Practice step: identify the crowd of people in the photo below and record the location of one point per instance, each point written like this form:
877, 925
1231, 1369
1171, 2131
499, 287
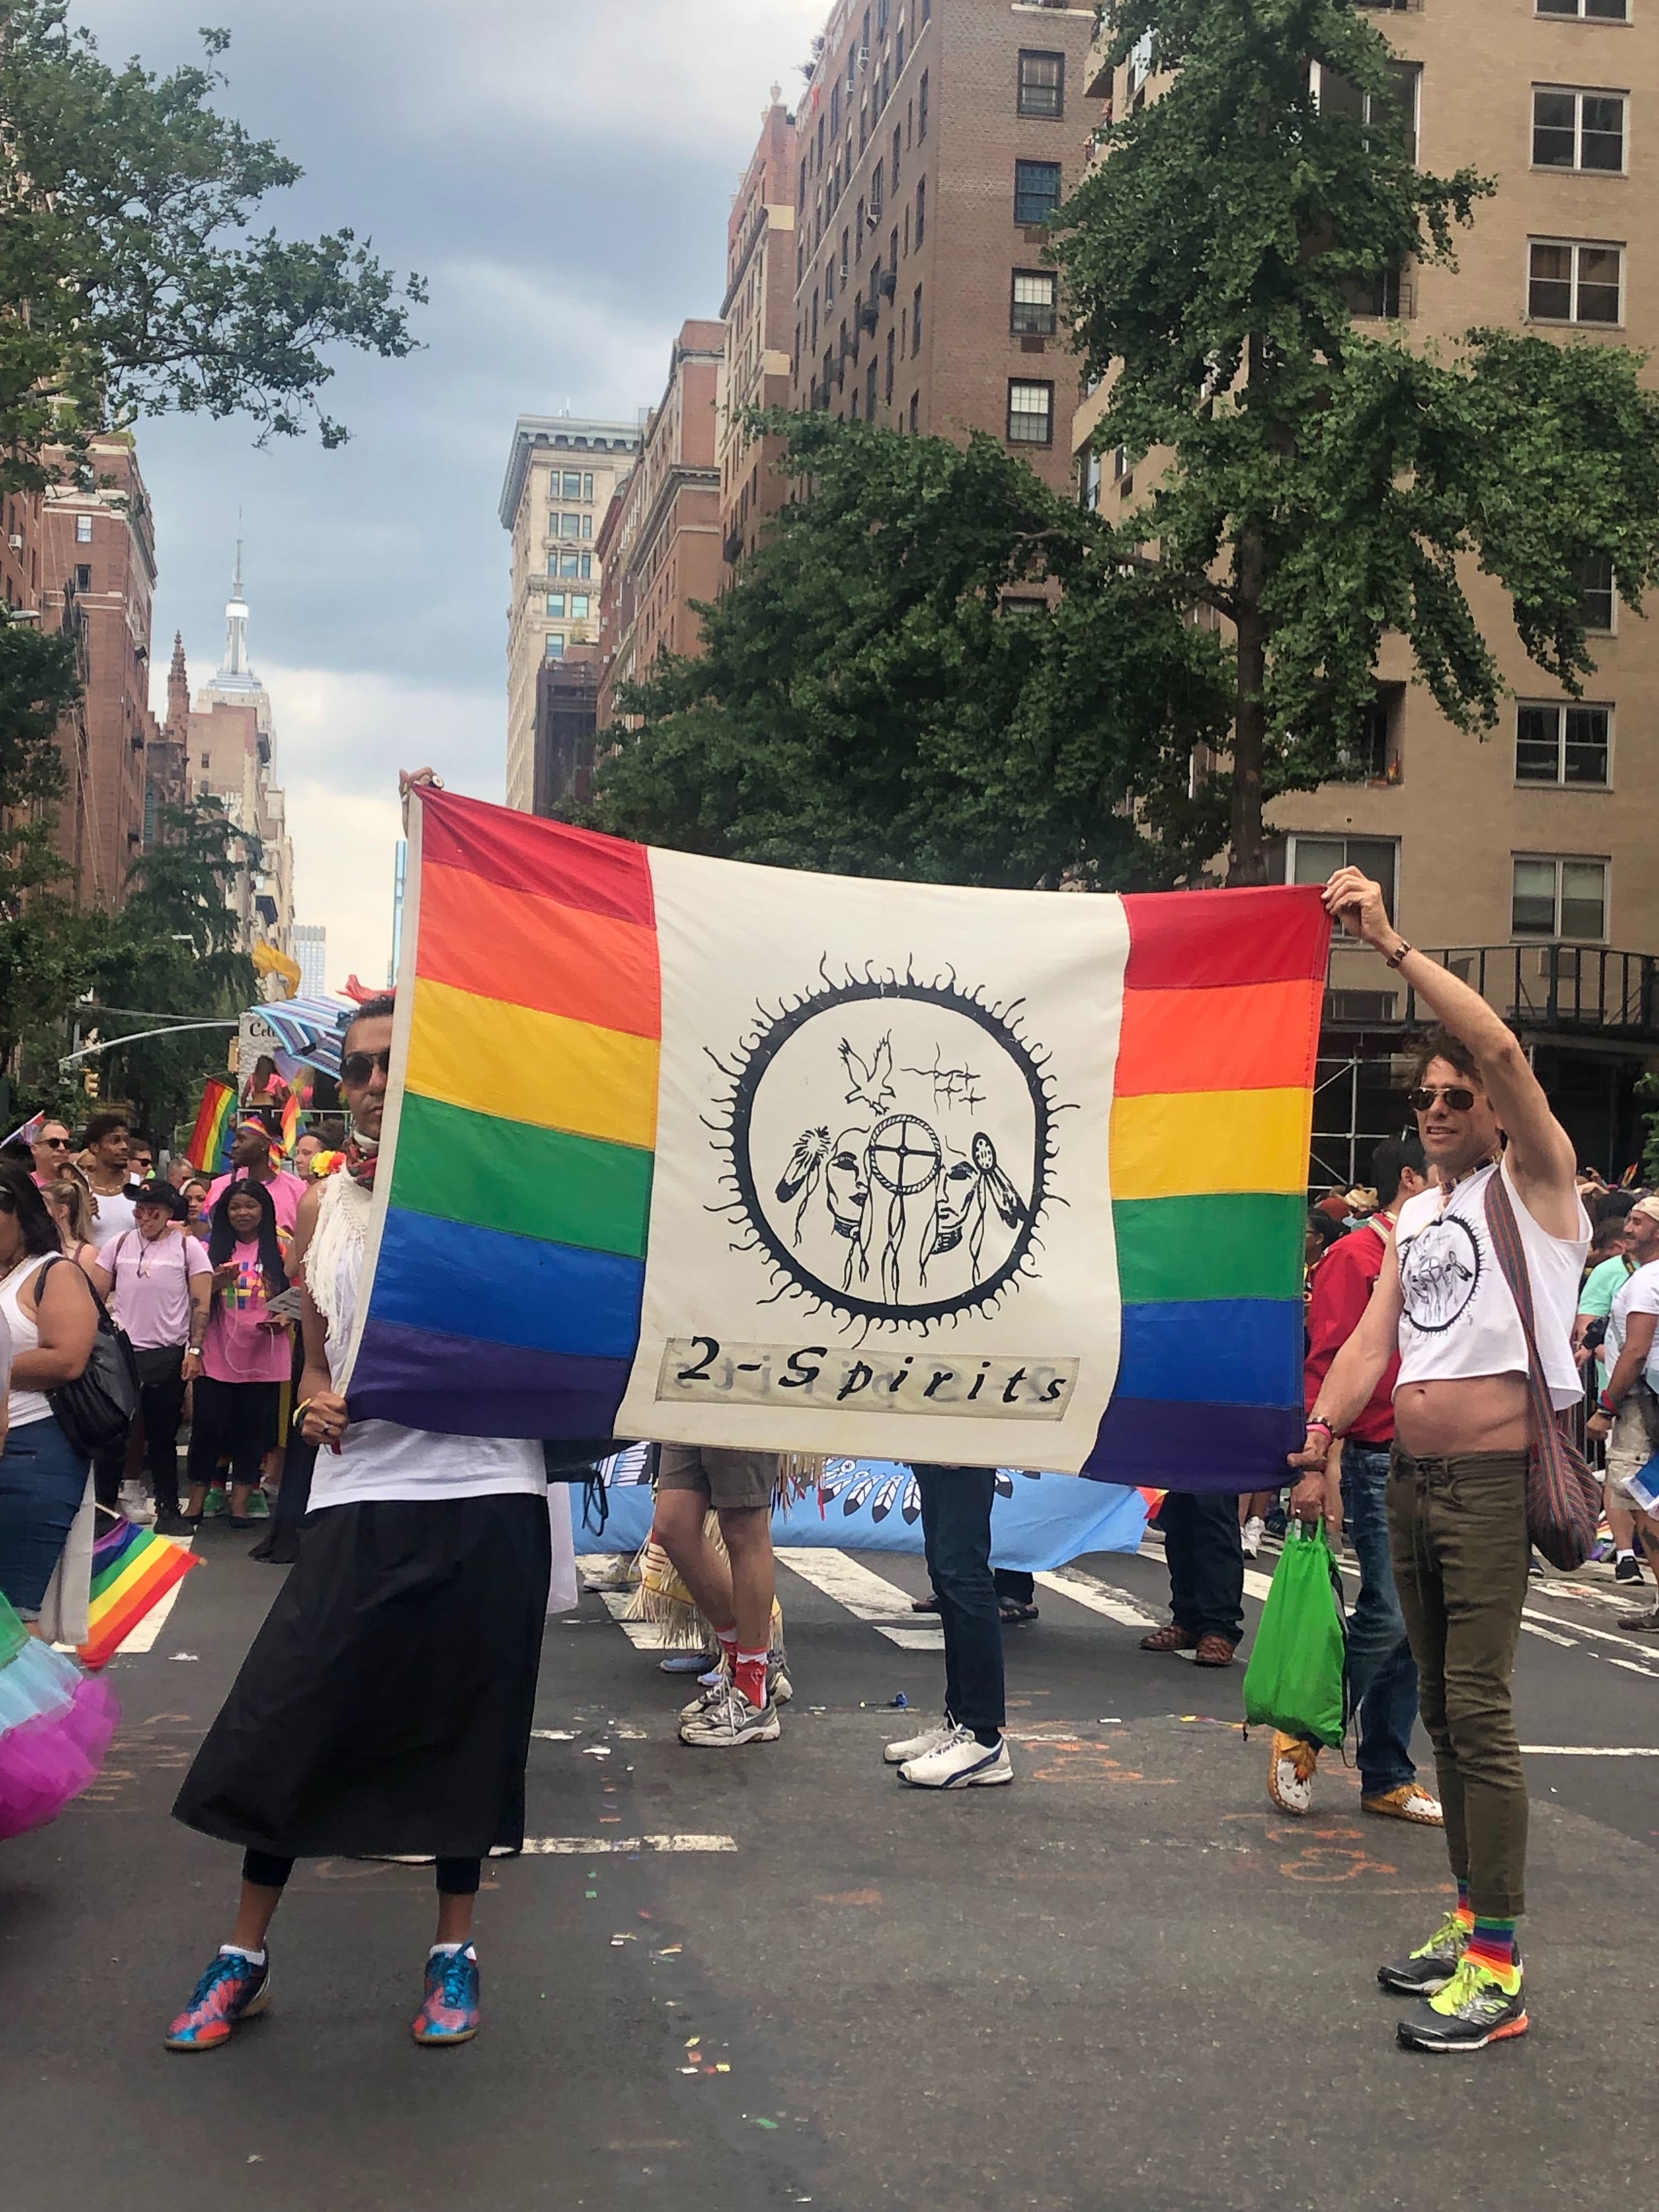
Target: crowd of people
1451, 1317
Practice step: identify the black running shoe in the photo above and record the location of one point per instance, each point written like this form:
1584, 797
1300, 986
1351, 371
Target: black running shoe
1627, 1570
1473, 2011
1425, 1972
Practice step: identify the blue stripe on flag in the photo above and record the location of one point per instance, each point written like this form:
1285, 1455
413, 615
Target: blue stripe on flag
1242, 1352
464, 1281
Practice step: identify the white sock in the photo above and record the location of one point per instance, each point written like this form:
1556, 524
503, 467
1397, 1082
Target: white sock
448, 1950
1624, 1551
241, 1950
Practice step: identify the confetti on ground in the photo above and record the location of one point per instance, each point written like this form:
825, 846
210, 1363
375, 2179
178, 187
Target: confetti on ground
182, 1654
767, 2123
596, 1751
587, 1892
556, 1735
720, 2066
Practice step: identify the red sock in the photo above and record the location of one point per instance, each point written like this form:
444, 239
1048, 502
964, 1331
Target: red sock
750, 1675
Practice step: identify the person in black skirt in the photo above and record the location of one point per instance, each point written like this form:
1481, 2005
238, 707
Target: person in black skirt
385, 1707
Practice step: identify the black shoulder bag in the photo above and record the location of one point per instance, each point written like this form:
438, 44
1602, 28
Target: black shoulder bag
96, 1410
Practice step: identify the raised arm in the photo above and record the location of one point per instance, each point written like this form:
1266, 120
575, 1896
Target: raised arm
1541, 1158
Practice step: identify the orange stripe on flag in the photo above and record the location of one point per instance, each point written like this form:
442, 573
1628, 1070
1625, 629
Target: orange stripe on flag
515, 945
1247, 1036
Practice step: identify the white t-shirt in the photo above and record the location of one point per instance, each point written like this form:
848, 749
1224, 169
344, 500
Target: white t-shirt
1639, 1294
112, 1215
377, 1460
1458, 1319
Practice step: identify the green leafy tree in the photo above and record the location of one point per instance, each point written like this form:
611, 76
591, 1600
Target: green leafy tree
130, 282
867, 703
173, 950
1324, 486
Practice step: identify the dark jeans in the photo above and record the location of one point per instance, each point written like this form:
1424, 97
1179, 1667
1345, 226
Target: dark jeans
1205, 1559
161, 1409
237, 1418
456, 1877
1457, 1528
1382, 1673
1011, 1583
43, 1479
955, 1530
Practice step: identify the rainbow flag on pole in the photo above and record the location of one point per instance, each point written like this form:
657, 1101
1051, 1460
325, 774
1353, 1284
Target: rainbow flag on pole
208, 1151
689, 1150
132, 1570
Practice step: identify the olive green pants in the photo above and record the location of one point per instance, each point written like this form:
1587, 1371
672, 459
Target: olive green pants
1457, 1530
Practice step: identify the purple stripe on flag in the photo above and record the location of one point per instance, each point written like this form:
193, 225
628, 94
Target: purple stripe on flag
457, 1385
1167, 1445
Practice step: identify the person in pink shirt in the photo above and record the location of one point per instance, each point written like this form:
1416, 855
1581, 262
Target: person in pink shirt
246, 1354
252, 1158
158, 1286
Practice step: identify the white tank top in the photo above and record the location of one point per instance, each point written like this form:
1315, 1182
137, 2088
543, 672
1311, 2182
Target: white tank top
23, 1406
1458, 1319
377, 1459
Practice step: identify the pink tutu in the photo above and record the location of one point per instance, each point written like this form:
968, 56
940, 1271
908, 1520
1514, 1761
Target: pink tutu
55, 1722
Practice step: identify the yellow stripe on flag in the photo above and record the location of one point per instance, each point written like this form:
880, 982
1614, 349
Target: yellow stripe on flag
519, 1064
1182, 1143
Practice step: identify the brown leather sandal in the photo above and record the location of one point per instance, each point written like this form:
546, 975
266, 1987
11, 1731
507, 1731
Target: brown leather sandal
1172, 1636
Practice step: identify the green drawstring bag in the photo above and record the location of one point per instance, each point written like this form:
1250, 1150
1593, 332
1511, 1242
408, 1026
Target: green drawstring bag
1295, 1679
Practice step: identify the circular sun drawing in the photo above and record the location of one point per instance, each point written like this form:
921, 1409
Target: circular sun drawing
889, 1147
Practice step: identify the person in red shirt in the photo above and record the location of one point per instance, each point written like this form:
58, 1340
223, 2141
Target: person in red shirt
1381, 1671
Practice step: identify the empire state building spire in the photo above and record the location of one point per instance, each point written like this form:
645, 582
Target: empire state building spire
235, 670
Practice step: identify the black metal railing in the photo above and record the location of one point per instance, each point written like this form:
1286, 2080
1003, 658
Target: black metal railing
1565, 989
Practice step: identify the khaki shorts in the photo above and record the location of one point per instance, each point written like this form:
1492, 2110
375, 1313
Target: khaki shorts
730, 1481
1628, 1453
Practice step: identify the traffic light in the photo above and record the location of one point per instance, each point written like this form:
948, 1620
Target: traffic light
89, 1081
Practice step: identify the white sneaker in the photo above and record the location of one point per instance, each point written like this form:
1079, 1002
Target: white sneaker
713, 1685
1254, 1530
732, 1721
960, 1762
918, 1747
685, 1663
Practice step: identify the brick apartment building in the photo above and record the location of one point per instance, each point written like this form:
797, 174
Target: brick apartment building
660, 543
97, 578
566, 708
1527, 858
562, 475
759, 301
934, 140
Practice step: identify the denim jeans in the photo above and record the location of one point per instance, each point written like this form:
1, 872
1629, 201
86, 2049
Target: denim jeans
1204, 1555
1382, 1673
42, 1480
955, 1530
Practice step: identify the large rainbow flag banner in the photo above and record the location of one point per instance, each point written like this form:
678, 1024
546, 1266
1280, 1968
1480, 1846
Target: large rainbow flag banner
684, 1149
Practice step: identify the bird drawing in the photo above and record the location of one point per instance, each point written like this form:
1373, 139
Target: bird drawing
870, 1083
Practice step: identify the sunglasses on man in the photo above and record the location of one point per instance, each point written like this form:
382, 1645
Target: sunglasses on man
356, 1067
1457, 1096
55, 1144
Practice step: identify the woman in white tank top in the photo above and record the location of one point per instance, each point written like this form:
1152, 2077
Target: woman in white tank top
51, 1318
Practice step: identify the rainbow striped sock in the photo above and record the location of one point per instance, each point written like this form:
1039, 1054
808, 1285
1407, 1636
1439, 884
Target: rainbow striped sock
1465, 1910
1492, 1945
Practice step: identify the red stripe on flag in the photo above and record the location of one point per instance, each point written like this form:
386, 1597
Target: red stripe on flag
1192, 940
577, 868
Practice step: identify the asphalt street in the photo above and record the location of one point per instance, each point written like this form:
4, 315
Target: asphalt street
773, 1977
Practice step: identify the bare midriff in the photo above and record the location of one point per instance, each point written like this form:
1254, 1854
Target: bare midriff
1467, 1413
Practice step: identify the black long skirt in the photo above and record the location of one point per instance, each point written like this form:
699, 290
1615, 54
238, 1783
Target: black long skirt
385, 1705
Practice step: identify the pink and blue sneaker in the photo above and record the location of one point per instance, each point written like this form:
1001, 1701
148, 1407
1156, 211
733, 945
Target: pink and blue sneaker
233, 1989
449, 2013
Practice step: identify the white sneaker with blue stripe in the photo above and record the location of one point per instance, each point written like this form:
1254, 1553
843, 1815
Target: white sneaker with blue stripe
960, 1762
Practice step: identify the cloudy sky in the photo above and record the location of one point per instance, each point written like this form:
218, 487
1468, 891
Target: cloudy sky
560, 171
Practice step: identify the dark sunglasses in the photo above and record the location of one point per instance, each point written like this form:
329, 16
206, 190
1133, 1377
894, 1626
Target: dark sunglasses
356, 1067
56, 1144
1457, 1096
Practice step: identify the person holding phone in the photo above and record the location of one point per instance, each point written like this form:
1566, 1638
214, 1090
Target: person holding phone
237, 1375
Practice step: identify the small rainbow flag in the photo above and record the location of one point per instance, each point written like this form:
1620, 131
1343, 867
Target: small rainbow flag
208, 1151
689, 1150
291, 1123
132, 1570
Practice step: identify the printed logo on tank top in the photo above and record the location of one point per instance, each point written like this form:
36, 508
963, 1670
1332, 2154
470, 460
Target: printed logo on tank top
1439, 1274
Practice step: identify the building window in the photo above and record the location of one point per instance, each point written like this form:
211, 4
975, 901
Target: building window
915, 413
926, 11
1088, 481
1032, 311
878, 192
921, 208
83, 578
1578, 130
1396, 111
887, 386
1562, 743
1041, 84
1572, 282
556, 606
1036, 190
1024, 607
898, 148
921, 108
588, 483
898, 52
586, 568
1595, 595
567, 564
580, 603
572, 486
587, 526
915, 322
1031, 413
555, 645
1384, 298
1316, 860
870, 390
1559, 897
570, 526
1605, 11
83, 530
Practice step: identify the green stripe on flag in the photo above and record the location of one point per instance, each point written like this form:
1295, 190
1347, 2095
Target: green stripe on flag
1213, 1245
540, 1183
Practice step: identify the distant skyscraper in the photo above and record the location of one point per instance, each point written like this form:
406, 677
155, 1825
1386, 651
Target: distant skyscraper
311, 950
233, 747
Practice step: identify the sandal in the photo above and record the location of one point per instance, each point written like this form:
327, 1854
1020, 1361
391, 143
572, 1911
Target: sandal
1170, 1637
1012, 1609
929, 1604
